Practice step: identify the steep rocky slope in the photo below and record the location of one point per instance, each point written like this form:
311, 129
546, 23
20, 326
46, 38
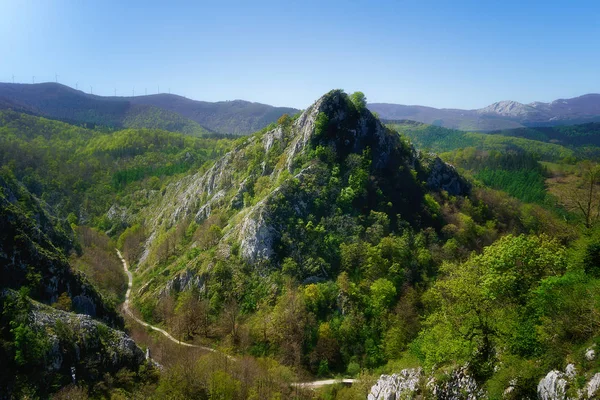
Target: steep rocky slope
43, 348
33, 253
46, 348
335, 162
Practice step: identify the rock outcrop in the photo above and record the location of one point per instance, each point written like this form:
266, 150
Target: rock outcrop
185, 280
443, 176
33, 248
80, 342
292, 173
593, 387
458, 385
412, 383
404, 385
51, 347
553, 386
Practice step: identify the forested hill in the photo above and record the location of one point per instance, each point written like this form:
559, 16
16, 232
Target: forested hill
237, 117
41, 347
439, 139
316, 229
570, 135
81, 171
163, 111
322, 245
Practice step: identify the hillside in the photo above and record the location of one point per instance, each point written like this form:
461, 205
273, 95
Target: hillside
42, 346
236, 117
334, 156
323, 245
499, 116
163, 111
439, 139
81, 171
304, 232
330, 244
571, 135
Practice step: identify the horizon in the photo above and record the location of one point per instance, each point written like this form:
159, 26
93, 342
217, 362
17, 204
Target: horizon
277, 105
457, 56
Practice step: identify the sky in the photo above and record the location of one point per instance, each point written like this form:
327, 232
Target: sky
451, 54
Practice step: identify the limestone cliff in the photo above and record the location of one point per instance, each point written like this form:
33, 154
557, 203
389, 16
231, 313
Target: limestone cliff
336, 157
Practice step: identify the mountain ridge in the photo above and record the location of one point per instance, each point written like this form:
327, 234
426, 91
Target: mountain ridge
289, 180
165, 111
506, 114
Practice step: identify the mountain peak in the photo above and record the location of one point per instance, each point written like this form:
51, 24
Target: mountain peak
346, 126
291, 171
507, 108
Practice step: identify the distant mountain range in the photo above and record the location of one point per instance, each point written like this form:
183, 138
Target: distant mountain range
164, 111
179, 114
500, 115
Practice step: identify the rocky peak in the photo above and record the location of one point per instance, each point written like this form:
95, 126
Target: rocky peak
507, 108
393, 183
335, 121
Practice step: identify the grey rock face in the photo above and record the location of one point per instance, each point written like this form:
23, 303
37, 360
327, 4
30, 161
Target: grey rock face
118, 213
459, 385
81, 346
271, 137
508, 108
553, 386
403, 385
443, 176
237, 202
186, 280
257, 236
593, 386
408, 384
570, 371
590, 354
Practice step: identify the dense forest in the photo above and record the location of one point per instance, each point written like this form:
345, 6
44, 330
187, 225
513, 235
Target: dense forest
326, 245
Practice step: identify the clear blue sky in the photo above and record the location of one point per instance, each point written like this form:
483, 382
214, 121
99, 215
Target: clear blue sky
462, 54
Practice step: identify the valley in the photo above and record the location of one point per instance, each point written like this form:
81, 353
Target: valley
315, 258
217, 200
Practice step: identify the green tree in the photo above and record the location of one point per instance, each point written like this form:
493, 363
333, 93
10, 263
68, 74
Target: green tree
383, 293
480, 304
359, 100
63, 302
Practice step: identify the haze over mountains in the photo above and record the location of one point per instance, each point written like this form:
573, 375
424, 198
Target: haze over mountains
164, 111
500, 115
180, 114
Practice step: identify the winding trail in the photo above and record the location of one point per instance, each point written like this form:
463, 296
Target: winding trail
127, 309
326, 382
141, 322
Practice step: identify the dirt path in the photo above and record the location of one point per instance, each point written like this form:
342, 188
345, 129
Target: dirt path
326, 382
141, 322
307, 385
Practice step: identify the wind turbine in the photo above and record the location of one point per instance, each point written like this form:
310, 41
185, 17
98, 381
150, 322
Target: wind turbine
56, 77
33, 79
91, 90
